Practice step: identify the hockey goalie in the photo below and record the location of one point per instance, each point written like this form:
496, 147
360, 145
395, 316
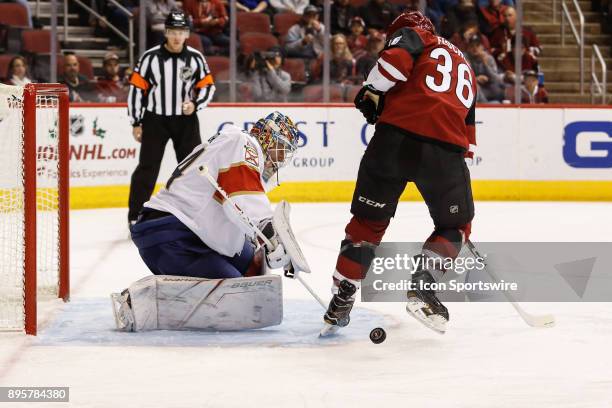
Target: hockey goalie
198, 237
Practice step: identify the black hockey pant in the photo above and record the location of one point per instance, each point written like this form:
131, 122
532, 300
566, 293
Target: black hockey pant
392, 159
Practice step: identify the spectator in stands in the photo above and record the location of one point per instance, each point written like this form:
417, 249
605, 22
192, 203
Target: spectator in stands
112, 86
341, 15
376, 43
157, 12
18, 72
305, 39
458, 16
469, 30
492, 16
489, 83
378, 14
341, 65
210, 21
531, 90
503, 35
289, 6
79, 87
536, 92
506, 61
357, 42
252, 6
267, 80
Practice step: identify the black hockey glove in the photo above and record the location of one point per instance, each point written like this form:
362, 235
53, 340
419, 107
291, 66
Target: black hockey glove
368, 108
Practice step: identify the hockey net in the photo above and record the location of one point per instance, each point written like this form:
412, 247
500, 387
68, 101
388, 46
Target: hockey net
33, 201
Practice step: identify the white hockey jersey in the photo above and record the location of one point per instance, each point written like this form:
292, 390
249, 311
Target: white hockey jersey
235, 159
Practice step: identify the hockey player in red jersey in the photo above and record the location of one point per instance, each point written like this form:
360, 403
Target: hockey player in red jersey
421, 95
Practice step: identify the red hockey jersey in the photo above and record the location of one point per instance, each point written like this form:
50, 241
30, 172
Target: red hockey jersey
430, 87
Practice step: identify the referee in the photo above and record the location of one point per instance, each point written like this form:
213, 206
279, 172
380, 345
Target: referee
170, 83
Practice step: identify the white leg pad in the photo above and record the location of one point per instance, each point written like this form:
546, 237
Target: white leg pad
184, 303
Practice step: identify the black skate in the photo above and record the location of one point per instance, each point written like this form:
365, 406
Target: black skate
338, 312
425, 306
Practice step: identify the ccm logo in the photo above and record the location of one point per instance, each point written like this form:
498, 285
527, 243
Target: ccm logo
588, 144
371, 202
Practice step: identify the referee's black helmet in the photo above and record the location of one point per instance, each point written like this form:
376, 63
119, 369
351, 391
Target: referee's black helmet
177, 19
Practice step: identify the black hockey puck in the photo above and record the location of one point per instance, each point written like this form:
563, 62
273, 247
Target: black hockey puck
378, 335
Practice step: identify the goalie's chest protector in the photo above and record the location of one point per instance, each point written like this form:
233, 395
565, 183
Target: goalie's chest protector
236, 161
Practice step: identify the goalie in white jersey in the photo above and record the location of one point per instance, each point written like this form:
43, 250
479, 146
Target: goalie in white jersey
188, 229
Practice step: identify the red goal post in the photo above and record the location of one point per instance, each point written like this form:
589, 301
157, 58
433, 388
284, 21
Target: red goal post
34, 201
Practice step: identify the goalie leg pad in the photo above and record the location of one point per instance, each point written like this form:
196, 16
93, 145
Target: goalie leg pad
185, 303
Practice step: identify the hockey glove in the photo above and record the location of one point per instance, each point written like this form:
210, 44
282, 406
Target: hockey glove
370, 103
276, 256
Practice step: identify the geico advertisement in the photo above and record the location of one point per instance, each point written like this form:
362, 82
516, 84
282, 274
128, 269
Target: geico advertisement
529, 144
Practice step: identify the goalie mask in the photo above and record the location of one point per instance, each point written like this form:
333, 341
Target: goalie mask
278, 138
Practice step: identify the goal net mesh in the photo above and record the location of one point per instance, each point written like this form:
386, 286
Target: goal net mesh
13, 250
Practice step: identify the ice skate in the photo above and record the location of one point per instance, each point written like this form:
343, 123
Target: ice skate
424, 306
124, 316
338, 312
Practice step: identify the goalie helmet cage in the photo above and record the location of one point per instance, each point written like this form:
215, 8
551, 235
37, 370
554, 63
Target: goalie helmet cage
34, 200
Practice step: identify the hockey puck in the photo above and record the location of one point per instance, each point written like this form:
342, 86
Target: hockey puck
378, 335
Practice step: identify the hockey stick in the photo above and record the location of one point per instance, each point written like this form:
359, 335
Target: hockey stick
245, 219
547, 320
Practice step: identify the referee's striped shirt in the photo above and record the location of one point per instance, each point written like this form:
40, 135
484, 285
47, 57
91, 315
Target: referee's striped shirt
162, 81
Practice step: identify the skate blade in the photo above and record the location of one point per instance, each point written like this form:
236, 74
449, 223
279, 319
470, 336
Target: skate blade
329, 330
436, 323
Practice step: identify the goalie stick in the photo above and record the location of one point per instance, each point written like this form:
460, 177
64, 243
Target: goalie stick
547, 320
245, 219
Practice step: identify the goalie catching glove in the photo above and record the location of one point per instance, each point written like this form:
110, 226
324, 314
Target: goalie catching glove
370, 102
276, 256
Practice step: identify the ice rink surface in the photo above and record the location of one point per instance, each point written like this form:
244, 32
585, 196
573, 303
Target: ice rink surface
488, 358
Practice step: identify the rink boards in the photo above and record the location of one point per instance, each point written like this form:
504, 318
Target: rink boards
523, 153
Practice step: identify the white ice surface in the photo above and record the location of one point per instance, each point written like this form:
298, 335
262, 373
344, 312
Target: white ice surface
488, 358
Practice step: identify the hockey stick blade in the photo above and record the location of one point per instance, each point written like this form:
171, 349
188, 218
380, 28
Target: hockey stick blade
547, 320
